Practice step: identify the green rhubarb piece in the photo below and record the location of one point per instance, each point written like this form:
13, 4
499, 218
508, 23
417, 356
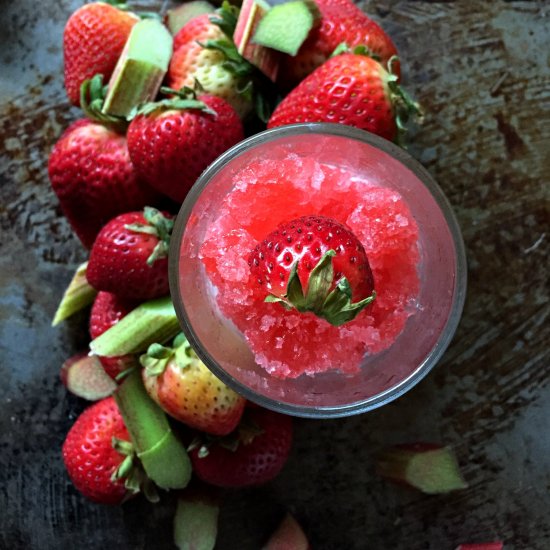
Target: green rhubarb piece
265, 59
85, 377
140, 69
177, 18
77, 296
429, 468
285, 27
161, 453
196, 522
150, 322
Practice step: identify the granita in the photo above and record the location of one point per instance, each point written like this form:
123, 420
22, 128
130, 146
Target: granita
289, 343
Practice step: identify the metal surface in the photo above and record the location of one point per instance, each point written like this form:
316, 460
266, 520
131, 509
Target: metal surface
481, 71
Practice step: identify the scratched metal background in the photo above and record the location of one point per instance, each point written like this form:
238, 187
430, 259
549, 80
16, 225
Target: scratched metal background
481, 69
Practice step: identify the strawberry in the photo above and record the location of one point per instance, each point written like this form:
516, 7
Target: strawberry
94, 466
129, 256
93, 178
93, 40
256, 457
186, 389
204, 52
348, 89
315, 264
108, 309
171, 142
341, 22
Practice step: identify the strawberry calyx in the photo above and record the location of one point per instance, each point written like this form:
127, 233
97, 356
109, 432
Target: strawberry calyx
404, 104
157, 357
131, 471
185, 98
361, 49
243, 434
158, 226
92, 98
334, 306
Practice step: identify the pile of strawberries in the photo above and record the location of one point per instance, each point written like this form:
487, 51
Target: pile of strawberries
158, 108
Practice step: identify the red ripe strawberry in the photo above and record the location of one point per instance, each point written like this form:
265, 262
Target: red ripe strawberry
186, 389
341, 22
348, 89
108, 309
93, 178
197, 29
129, 256
172, 142
93, 40
92, 462
193, 62
315, 264
257, 458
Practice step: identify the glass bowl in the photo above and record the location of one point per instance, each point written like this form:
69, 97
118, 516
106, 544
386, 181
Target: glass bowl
382, 377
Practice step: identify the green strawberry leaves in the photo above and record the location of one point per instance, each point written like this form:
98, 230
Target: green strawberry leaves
92, 98
158, 226
157, 357
335, 307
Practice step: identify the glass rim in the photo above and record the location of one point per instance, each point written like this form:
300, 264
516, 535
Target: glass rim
460, 281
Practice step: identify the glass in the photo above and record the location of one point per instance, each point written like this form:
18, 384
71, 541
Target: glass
384, 376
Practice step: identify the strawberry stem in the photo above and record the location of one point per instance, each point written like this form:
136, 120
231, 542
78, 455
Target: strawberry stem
162, 455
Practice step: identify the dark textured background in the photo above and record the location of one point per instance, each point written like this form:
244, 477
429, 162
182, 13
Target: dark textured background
481, 69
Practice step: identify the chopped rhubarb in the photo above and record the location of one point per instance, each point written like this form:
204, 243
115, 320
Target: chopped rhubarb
150, 322
265, 59
85, 377
285, 27
77, 296
196, 521
428, 467
178, 17
140, 69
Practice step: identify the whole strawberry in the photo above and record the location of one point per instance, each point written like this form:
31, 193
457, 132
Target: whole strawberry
314, 264
255, 455
107, 310
350, 89
93, 40
341, 22
171, 142
92, 175
186, 389
94, 466
129, 256
199, 57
